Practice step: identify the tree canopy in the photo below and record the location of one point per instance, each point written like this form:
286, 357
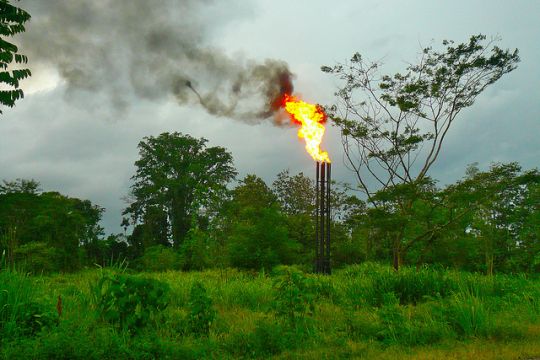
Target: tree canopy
178, 183
46, 225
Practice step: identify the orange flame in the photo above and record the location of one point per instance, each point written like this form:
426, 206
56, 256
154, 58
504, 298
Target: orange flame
311, 117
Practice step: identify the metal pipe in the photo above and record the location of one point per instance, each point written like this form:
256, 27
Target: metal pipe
317, 258
322, 212
328, 182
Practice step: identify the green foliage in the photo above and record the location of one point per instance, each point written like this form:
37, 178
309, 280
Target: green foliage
294, 298
410, 286
269, 338
469, 316
196, 251
201, 312
12, 21
257, 237
348, 251
178, 179
252, 192
128, 301
296, 194
34, 316
66, 225
159, 258
249, 315
22, 313
376, 285
454, 78
400, 325
36, 257
259, 240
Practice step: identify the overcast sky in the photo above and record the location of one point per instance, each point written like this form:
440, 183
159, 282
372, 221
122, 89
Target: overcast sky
104, 77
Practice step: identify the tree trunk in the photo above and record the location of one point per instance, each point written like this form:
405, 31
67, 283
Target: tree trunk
489, 264
369, 246
180, 221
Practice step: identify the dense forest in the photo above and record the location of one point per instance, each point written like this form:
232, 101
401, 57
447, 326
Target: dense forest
185, 212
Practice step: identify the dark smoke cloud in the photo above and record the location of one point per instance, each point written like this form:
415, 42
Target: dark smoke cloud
151, 49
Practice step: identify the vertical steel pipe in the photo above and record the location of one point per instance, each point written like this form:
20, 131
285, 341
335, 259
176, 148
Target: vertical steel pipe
323, 216
323, 179
317, 257
328, 182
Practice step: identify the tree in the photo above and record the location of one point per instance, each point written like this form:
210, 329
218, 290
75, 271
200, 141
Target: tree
17, 209
20, 186
32, 221
66, 224
12, 20
296, 194
503, 201
177, 175
258, 235
153, 230
392, 133
296, 197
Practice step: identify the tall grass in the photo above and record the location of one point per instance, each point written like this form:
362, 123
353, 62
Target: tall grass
21, 312
354, 311
469, 316
15, 292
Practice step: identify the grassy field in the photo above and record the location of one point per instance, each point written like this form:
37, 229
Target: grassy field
366, 311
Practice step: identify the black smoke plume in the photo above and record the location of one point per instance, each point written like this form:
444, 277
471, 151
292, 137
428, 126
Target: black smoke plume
152, 50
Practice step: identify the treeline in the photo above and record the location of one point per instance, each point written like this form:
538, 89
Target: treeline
184, 213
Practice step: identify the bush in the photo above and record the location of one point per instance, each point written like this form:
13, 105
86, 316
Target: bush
195, 251
159, 258
201, 313
294, 298
128, 301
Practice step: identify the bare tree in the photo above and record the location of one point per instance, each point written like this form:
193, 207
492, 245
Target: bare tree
393, 127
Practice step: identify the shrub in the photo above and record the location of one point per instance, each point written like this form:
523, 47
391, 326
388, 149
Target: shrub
201, 313
195, 251
159, 258
128, 301
294, 298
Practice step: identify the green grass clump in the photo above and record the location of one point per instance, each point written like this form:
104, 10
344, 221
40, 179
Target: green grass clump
22, 311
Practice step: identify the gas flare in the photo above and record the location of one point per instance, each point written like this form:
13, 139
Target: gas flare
311, 117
